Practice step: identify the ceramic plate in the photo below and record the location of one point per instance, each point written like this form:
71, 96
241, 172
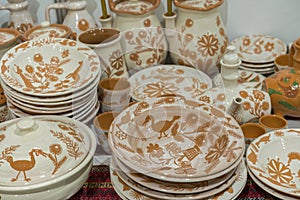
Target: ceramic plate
175, 139
49, 67
269, 189
259, 48
274, 159
231, 191
258, 70
172, 187
246, 79
258, 66
163, 80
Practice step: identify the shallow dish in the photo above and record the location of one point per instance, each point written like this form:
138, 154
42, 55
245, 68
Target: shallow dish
163, 80
259, 48
274, 159
175, 139
49, 67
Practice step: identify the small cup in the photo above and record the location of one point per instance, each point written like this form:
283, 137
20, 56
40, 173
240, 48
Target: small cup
101, 123
251, 131
273, 122
114, 91
281, 62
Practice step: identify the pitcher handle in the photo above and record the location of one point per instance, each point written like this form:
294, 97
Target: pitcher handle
54, 6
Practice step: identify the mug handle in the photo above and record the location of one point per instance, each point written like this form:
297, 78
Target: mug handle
291, 55
54, 6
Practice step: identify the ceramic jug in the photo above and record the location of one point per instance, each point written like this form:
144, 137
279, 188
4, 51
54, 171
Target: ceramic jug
196, 34
20, 17
143, 40
77, 18
244, 104
284, 85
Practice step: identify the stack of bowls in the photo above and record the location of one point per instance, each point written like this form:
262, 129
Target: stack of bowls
258, 52
51, 76
273, 162
171, 148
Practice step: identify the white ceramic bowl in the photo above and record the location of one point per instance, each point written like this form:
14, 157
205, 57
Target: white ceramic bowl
44, 157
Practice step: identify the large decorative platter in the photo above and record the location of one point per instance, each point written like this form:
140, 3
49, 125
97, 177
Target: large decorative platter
49, 67
274, 159
174, 139
259, 48
231, 191
163, 80
172, 187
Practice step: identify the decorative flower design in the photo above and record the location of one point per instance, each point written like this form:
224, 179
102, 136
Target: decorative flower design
279, 171
55, 149
205, 99
217, 149
189, 22
246, 41
185, 168
116, 60
258, 95
160, 89
208, 44
269, 46
155, 150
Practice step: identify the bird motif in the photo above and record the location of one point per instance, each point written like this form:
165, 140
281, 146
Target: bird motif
160, 126
24, 165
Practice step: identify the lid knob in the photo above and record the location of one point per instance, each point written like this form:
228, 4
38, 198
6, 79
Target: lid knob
231, 58
25, 126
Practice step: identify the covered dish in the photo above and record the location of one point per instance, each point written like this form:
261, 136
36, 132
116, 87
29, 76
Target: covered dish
44, 157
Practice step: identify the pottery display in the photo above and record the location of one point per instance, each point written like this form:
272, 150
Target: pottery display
77, 18
106, 42
47, 30
20, 17
197, 35
52, 158
143, 40
283, 86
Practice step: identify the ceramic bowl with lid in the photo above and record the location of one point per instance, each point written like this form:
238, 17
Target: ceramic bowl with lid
44, 153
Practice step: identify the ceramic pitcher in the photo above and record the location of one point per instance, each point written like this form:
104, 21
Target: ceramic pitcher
196, 34
77, 18
143, 40
20, 17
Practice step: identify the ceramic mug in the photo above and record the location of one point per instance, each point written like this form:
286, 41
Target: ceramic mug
281, 62
106, 43
102, 124
114, 91
251, 131
273, 122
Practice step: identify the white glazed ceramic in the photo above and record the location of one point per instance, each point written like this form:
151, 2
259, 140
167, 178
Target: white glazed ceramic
246, 78
196, 34
47, 30
20, 17
77, 18
163, 80
259, 48
171, 187
44, 152
146, 135
143, 39
8, 38
106, 42
274, 159
49, 67
269, 189
231, 192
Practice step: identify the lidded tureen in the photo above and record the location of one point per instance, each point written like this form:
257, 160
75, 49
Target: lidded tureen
44, 157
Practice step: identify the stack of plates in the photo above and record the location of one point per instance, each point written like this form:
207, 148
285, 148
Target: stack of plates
51, 76
258, 52
171, 148
273, 163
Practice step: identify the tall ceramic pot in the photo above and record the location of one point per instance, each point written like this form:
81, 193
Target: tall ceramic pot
143, 40
196, 34
20, 17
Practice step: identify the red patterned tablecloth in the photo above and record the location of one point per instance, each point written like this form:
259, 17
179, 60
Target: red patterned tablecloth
99, 187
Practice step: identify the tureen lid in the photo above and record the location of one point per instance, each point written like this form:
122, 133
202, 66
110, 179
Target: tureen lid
47, 30
39, 151
8, 36
134, 7
201, 5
